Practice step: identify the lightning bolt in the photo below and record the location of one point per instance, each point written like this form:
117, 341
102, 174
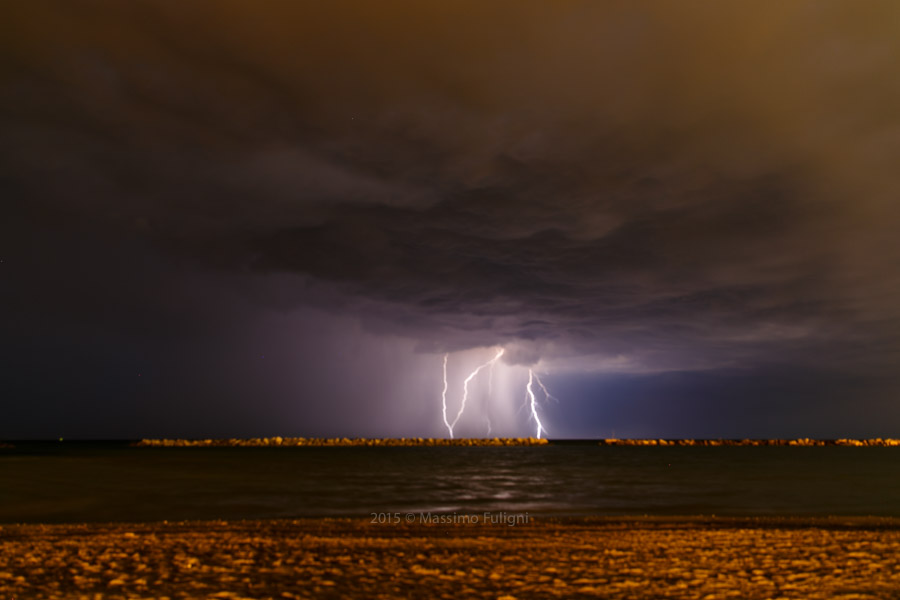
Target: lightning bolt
444, 398
465, 396
530, 392
547, 394
530, 397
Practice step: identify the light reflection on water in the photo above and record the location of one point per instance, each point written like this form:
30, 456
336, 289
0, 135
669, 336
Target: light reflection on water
105, 482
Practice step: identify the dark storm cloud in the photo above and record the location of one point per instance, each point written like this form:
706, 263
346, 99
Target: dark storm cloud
615, 186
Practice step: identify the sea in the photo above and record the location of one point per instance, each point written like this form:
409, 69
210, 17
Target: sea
66, 482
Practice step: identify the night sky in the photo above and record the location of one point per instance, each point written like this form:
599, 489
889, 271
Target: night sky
231, 218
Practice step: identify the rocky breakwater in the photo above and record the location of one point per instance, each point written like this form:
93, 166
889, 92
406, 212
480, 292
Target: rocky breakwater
748, 442
327, 442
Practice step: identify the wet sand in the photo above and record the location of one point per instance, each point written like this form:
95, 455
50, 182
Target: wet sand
574, 558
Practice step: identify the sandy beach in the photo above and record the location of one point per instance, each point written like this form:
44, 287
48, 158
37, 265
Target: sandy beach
354, 558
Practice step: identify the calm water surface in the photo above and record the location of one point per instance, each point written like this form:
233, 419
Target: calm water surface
79, 481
